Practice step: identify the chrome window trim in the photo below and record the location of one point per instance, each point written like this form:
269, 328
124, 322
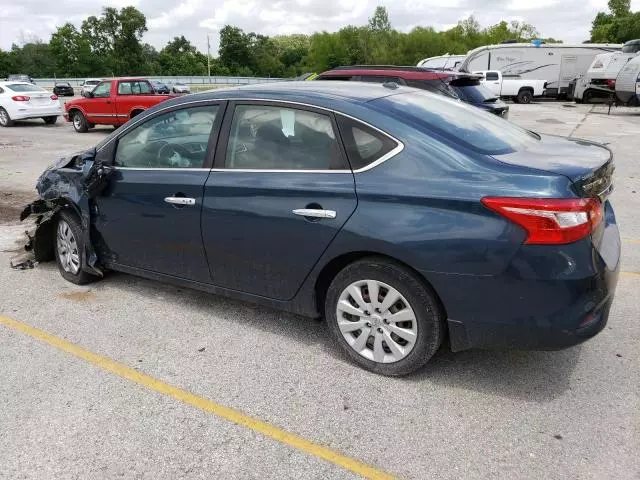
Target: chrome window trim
399, 148
168, 169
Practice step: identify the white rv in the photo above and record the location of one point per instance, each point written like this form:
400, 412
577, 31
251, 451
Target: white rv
443, 62
628, 83
600, 79
556, 63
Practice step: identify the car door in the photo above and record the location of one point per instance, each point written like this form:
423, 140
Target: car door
492, 82
280, 192
101, 108
149, 216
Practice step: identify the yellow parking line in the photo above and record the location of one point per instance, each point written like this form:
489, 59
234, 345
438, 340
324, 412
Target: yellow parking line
631, 240
633, 274
229, 414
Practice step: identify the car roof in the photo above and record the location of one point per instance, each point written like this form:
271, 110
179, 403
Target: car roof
406, 73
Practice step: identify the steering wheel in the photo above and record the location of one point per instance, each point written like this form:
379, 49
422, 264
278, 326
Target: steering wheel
173, 155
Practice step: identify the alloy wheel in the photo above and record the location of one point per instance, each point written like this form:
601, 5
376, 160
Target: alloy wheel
67, 248
377, 321
77, 121
4, 118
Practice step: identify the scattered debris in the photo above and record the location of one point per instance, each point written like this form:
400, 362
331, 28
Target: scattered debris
557, 436
201, 349
78, 296
23, 265
618, 355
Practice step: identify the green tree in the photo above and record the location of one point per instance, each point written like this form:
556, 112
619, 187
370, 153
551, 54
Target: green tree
234, 48
180, 57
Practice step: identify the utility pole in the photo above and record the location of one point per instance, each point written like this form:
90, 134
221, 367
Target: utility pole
209, 58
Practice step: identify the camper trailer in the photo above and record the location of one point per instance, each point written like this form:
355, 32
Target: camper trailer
600, 80
628, 83
555, 63
443, 62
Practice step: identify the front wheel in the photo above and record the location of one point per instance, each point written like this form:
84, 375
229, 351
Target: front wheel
70, 251
384, 316
5, 119
80, 122
50, 120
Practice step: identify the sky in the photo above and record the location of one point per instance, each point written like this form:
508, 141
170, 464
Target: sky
567, 20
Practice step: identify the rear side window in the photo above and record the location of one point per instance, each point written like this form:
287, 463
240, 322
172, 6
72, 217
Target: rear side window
344, 78
434, 86
382, 79
364, 144
266, 137
492, 76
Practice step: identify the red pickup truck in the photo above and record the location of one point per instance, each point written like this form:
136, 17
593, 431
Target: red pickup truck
112, 102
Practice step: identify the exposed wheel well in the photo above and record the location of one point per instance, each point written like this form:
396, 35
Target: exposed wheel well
332, 268
135, 112
526, 89
45, 234
73, 111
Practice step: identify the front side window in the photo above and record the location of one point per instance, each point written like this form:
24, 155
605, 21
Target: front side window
103, 90
364, 144
177, 139
134, 88
381, 79
278, 138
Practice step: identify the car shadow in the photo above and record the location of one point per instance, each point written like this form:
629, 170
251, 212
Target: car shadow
513, 374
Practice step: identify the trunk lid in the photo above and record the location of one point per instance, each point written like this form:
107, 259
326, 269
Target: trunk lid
588, 165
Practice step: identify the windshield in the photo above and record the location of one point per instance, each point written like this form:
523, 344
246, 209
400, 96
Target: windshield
92, 82
458, 123
24, 87
632, 48
474, 93
62, 84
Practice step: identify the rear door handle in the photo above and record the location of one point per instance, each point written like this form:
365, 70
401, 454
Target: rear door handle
314, 213
180, 200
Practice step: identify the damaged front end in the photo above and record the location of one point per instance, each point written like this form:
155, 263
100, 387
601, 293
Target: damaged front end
71, 183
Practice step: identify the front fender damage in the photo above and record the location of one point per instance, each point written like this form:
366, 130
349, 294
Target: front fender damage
73, 183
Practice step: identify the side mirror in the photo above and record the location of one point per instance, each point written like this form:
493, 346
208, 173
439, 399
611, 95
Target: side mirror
89, 94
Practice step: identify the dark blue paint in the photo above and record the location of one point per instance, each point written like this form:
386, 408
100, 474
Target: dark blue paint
421, 208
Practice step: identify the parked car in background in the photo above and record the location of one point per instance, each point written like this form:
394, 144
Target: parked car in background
402, 217
521, 90
112, 102
22, 100
463, 86
20, 77
555, 63
88, 85
63, 89
179, 87
628, 83
160, 87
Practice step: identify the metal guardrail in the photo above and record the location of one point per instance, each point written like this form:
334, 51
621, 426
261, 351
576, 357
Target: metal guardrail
195, 80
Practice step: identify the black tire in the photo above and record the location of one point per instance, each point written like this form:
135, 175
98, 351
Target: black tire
525, 96
421, 298
70, 221
5, 119
80, 123
50, 120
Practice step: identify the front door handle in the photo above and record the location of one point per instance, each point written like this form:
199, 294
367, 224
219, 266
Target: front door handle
314, 213
180, 200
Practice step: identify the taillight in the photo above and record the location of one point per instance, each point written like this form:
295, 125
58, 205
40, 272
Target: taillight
20, 98
550, 221
611, 83
54, 97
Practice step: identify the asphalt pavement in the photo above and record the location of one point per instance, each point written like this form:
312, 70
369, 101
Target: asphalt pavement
129, 378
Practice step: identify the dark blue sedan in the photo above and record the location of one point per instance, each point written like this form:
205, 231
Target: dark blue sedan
400, 216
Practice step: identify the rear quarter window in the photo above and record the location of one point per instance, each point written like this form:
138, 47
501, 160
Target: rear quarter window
21, 87
364, 145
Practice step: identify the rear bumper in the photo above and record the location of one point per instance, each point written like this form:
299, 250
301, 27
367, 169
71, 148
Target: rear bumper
35, 112
548, 298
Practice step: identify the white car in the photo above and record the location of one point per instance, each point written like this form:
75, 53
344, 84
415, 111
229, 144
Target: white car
88, 85
522, 90
180, 87
21, 100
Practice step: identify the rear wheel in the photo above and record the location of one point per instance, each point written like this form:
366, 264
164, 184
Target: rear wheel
50, 120
525, 96
5, 119
80, 122
384, 317
69, 250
